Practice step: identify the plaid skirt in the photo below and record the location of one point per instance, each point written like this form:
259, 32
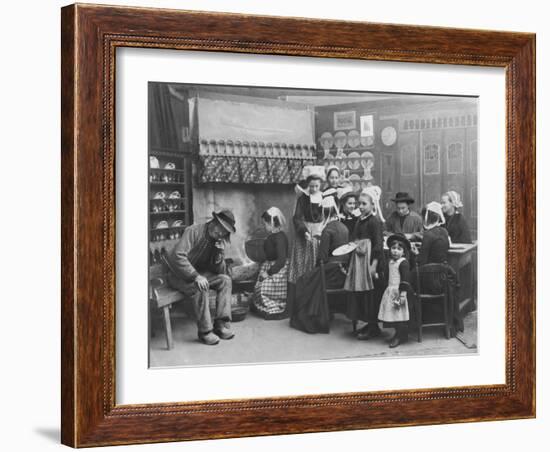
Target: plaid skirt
270, 294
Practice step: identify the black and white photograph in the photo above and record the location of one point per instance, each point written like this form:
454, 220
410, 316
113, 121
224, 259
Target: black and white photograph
290, 225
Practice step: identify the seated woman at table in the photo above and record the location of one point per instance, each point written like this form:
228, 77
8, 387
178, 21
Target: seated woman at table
434, 249
310, 313
455, 223
270, 291
435, 240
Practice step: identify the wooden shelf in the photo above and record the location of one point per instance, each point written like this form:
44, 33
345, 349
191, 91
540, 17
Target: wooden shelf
171, 228
182, 199
168, 212
166, 183
347, 149
158, 245
168, 153
168, 170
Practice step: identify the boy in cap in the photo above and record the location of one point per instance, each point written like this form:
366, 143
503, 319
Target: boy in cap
403, 220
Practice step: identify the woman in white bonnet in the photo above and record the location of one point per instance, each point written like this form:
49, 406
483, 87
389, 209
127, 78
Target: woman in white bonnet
365, 275
434, 249
310, 311
308, 223
435, 240
455, 223
270, 292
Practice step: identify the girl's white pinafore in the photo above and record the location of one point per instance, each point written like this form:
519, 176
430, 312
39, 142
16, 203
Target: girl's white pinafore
389, 312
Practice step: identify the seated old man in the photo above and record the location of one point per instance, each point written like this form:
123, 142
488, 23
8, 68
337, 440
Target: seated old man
197, 265
403, 220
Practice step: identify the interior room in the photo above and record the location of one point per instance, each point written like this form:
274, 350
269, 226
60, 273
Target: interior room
245, 148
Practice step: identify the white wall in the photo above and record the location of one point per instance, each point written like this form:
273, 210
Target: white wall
29, 99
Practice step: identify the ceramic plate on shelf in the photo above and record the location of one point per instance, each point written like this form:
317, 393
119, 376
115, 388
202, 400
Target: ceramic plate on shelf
326, 140
354, 139
340, 140
367, 141
154, 162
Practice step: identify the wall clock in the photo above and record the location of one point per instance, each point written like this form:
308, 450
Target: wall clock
388, 135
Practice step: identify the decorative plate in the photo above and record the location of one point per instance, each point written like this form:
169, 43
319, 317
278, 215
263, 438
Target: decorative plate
344, 249
367, 142
326, 141
354, 139
154, 162
340, 140
354, 160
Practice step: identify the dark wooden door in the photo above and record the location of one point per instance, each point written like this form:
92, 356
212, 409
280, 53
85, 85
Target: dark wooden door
409, 166
431, 144
387, 144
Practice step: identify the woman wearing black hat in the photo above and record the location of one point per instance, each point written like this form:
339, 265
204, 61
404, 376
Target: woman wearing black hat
403, 220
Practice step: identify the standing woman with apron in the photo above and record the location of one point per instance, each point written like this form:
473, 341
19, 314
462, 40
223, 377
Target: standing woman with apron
367, 264
308, 223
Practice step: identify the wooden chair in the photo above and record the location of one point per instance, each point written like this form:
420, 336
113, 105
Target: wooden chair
436, 277
326, 292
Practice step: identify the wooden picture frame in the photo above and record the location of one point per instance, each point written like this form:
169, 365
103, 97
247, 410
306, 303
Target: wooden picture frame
90, 36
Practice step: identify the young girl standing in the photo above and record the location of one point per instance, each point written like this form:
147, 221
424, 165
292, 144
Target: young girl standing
270, 291
394, 307
366, 264
348, 209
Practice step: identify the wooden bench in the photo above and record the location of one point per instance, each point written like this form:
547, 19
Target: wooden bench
162, 297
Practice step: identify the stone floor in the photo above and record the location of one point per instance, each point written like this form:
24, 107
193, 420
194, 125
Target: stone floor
260, 341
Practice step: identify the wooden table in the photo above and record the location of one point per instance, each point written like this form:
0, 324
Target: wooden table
462, 258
